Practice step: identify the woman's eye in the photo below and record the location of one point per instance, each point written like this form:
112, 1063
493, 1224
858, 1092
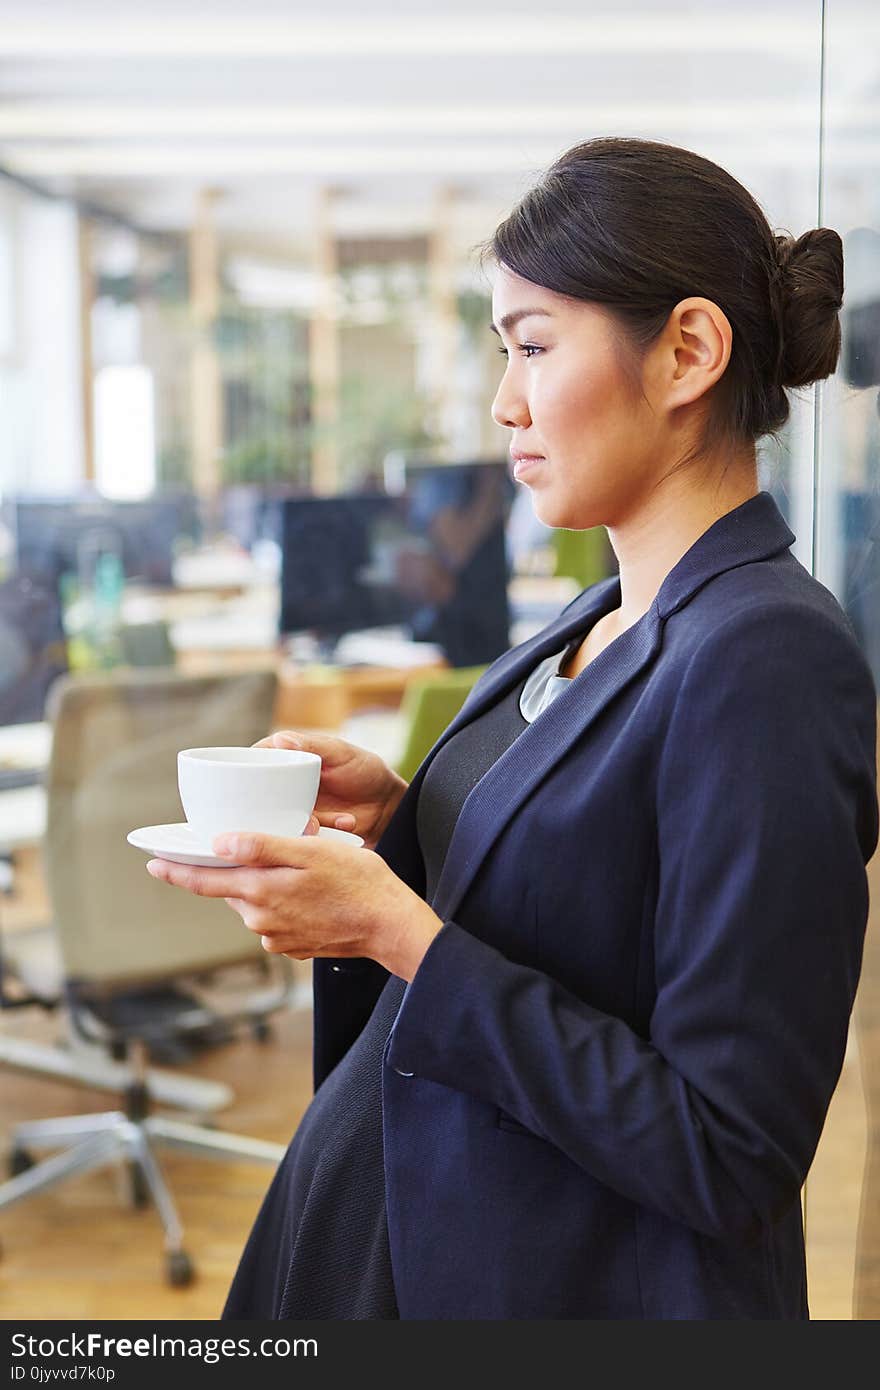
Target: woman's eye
527, 349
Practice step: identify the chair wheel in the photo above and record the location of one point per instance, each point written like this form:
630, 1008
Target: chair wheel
20, 1161
138, 1189
179, 1269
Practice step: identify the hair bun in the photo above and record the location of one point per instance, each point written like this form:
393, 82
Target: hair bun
809, 285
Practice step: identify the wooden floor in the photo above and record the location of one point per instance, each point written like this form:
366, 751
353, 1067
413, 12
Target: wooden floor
79, 1252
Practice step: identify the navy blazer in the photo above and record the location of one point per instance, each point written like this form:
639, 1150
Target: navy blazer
608, 1078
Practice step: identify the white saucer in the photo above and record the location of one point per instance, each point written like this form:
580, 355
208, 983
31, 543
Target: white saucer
178, 843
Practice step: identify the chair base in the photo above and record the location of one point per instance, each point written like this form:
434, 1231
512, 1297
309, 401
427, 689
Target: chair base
100, 1073
97, 1140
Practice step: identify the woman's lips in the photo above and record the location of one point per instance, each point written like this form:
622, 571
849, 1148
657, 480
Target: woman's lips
526, 464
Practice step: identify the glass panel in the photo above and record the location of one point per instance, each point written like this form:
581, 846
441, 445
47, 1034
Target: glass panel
843, 1212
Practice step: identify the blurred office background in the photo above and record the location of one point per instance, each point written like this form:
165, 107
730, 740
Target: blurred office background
245, 388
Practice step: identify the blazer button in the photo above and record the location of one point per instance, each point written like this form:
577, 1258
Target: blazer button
400, 1072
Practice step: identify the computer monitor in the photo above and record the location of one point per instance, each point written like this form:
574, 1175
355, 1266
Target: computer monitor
460, 511
251, 513
431, 560
337, 565
33, 648
55, 536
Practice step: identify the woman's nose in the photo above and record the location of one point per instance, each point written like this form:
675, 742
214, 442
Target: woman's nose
509, 408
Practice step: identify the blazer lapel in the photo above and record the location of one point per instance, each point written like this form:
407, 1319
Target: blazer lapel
399, 845
753, 531
538, 748
513, 666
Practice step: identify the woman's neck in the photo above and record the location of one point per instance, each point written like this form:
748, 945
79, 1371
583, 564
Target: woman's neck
652, 539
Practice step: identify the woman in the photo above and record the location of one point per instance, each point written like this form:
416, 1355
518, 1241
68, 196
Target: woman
582, 1002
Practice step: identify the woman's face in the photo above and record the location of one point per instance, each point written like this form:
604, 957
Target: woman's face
591, 439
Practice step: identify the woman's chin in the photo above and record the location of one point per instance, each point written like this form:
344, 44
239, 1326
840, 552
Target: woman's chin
548, 510
558, 516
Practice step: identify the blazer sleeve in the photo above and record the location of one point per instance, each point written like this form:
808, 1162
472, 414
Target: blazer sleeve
766, 816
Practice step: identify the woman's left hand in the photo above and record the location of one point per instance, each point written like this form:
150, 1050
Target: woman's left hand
310, 897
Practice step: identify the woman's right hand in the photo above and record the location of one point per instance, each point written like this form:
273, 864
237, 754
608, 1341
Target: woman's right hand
358, 790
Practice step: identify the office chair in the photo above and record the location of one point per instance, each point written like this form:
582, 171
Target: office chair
146, 644
585, 556
429, 705
138, 960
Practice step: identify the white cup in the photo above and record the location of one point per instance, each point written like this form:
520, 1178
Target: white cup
269, 790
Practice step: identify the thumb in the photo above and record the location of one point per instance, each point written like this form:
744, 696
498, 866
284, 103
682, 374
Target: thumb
266, 851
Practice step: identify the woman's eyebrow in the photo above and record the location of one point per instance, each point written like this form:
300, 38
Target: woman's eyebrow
510, 320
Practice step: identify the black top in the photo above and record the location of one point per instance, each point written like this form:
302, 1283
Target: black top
319, 1247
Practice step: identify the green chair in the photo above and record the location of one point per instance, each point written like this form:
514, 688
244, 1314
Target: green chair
429, 705
583, 555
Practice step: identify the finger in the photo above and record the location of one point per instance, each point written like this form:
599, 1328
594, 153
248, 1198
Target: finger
282, 738
206, 883
341, 820
284, 946
313, 826
329, 749
271, 851
246, 911
239, 905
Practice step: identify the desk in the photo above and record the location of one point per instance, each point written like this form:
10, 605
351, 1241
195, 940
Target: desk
219, 569
327, 696
311, 696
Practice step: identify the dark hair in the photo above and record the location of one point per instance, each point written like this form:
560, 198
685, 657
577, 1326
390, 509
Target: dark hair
638, 226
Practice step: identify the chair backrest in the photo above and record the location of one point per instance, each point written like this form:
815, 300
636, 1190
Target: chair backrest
113, 768
429, 705
147, 644
583, 555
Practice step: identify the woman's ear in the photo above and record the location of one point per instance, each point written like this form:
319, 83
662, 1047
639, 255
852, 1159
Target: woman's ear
695, 348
